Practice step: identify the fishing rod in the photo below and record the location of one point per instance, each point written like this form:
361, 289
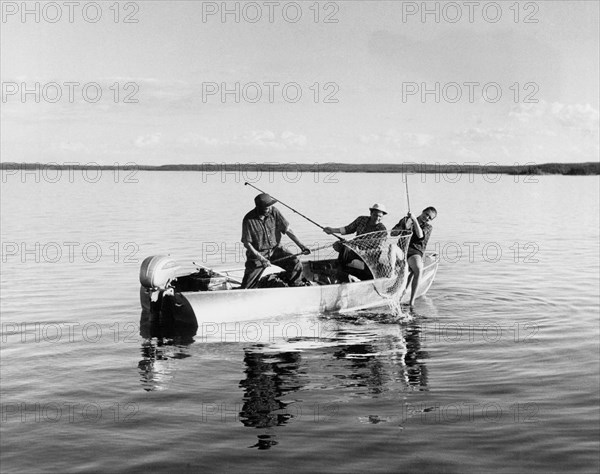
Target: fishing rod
407, 196
294, 210
301, 253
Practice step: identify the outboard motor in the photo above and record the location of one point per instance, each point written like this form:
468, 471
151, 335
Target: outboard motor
157, 271
155, 274
156, 293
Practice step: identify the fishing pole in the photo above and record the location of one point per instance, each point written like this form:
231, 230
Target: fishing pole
294, 210
407, 196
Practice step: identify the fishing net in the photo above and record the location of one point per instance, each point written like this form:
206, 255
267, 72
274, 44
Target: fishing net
383, 255
380, 256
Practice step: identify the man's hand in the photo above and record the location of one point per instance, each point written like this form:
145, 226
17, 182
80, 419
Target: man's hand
264, 261
305, 250
328, 230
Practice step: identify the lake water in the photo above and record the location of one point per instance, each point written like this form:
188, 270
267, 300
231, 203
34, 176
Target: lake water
497, 371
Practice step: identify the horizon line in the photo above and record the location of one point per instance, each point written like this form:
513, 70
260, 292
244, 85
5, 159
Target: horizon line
580, 168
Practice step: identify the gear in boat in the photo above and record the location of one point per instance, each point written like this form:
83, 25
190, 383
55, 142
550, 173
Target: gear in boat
162, 272
366, 257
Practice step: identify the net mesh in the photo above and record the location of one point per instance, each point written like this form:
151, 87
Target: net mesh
384, 254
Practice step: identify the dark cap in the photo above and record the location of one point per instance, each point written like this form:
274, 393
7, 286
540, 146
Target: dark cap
264, 200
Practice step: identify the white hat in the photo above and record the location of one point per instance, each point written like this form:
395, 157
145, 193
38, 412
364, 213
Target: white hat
378, 207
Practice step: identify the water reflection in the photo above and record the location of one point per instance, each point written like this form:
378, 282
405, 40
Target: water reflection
355, 358
269, 377
416, 370
367, 368
164, 341
382, 358
387, 359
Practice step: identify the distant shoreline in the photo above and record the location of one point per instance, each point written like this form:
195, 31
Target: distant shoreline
567, 169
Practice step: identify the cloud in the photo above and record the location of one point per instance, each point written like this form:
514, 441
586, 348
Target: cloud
583, 118
269, 140
572, 117
148, 141
467, 154
259, 138
541, 132
263, 140
194, 140
73, 147
292, 139
478, 134
397, 139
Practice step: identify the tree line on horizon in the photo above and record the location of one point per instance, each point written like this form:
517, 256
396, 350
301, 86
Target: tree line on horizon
572, 169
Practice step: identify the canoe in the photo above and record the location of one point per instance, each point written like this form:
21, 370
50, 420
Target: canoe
166, 287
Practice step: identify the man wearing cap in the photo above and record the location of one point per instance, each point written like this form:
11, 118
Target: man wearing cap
261, 235
360, 225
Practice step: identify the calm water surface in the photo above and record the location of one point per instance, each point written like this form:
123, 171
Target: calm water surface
497, 371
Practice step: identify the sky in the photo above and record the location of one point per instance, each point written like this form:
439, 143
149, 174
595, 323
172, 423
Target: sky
167, 82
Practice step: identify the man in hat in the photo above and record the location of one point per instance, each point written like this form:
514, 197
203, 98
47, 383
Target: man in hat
261, 235
361, 225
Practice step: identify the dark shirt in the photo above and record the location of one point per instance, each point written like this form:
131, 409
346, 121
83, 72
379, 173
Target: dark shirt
263, 234
416, 246
361, 225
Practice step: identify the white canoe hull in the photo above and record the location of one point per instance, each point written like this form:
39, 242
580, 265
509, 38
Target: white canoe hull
260, 303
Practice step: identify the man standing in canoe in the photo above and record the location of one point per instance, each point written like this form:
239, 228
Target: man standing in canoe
418, 242
261, 235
